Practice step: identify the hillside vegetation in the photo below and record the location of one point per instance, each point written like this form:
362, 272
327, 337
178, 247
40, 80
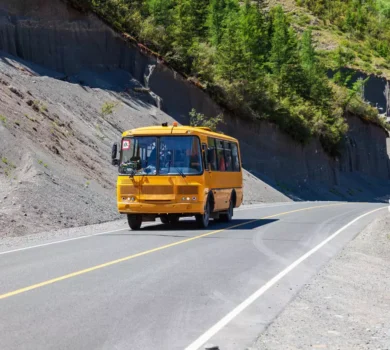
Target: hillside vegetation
363, 28
251, 59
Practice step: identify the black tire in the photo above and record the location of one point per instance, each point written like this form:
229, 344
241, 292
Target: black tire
135, 221
227, 217
203, 219
174, 219
164, 219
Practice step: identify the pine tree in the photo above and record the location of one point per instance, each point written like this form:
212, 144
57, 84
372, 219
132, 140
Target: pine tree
229, 50
161, 11
252, 40
307, 52
279, 40
218, 12
199, 13
315, 86
183, 28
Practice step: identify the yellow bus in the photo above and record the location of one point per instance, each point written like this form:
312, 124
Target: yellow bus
173, 171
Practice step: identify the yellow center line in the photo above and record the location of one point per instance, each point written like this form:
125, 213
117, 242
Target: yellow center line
130, 257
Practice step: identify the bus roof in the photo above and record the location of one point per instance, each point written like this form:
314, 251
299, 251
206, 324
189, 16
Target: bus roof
175, 130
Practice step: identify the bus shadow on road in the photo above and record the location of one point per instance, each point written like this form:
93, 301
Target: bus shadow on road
190, 225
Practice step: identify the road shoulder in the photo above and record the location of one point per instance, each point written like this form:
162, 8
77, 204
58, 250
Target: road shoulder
346, 305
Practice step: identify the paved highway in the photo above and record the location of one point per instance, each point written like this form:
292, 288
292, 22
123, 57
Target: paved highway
171, 288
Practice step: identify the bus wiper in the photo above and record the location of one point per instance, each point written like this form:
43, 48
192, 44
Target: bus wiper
181, 173
132, 173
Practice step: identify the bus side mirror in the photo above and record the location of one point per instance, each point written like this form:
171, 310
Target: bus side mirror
114, 152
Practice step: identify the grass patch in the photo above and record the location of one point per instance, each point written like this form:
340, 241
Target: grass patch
108, 108
3, 120
99, 133
9, 166
38, 106
30, 118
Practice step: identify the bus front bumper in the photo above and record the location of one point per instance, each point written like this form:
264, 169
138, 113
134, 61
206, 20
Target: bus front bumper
159, 208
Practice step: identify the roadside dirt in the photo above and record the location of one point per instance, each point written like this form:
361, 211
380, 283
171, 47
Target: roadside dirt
346, 306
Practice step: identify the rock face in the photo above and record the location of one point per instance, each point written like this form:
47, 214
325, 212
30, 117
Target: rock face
52, 34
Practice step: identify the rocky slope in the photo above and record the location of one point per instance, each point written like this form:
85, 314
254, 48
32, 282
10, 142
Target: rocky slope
51, 100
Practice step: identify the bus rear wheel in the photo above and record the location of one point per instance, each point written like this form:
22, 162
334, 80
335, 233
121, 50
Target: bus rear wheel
135, 221
203, 219
227, 217
164, 219
174, 219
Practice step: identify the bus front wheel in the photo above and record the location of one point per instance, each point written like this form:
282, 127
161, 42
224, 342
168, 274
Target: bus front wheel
203, 219
135, 221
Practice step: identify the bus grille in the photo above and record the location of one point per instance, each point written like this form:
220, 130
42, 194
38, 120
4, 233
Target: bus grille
157, 190
128, 190
190, 190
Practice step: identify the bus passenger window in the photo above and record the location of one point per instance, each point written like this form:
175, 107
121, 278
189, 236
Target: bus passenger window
221, 156
235, 158
213, 160
228, 156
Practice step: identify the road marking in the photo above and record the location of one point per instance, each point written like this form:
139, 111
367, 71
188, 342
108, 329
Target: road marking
58, 242
252, 206
68, 240
130, 257
205, 337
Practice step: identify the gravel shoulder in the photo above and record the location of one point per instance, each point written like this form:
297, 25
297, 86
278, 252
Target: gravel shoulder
346, 306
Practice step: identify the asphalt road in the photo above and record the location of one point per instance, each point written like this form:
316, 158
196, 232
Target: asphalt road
171, 288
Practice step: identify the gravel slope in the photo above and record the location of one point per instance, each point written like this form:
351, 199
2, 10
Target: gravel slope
346, 306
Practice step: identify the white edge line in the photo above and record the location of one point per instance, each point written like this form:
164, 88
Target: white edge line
241, 307
58, 242
68, 240
96, 234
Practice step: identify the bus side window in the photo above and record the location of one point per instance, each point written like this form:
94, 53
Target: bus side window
205, 156
235, 157
228, 156
213, 158
221, 156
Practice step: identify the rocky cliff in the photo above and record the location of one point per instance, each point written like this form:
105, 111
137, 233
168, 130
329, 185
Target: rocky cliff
54, 35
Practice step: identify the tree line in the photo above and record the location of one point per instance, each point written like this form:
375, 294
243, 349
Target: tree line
247, 55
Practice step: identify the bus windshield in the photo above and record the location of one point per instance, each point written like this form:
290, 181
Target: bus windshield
177, 155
